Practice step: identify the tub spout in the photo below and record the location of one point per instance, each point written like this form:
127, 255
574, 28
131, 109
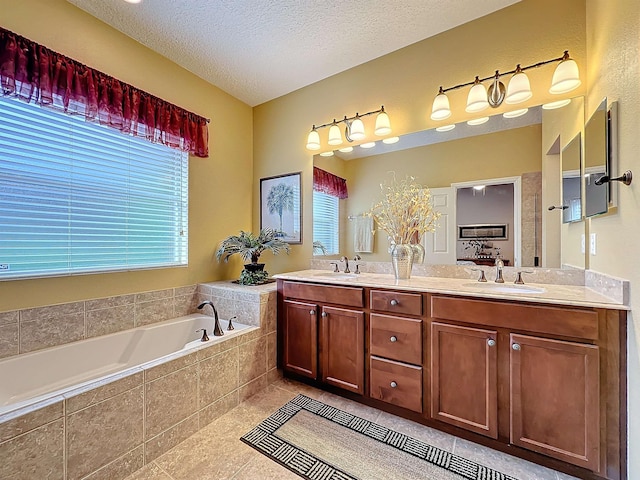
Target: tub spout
217, 331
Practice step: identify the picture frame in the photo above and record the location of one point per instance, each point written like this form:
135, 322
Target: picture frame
281, 206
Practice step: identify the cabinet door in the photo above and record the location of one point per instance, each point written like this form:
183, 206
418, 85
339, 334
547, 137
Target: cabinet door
555, 399
342, 348
464, 378
301, 338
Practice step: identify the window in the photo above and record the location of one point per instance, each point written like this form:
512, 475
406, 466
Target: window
76, 197
326, 222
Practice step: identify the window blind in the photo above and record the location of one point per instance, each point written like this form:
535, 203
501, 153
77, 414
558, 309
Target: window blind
326, 221
76, 197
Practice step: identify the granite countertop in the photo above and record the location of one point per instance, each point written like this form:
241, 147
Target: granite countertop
572, 295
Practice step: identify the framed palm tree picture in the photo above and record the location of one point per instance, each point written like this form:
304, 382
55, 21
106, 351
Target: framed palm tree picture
281, 206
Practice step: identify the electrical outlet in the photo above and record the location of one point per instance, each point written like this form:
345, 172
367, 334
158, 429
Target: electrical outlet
582, 243
592, 244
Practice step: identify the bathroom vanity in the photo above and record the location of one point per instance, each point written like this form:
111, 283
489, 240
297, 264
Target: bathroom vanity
535, 371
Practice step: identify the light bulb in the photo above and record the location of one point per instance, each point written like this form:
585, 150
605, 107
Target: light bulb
566, 76
313, 140
477, 99
519, 88
383, 125
440, 109
335, 136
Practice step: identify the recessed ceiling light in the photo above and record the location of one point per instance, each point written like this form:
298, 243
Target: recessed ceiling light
327, 154
515, 113
558, 104
445, 128
346, 149
368, 145
133, 1
478, 121
391, 140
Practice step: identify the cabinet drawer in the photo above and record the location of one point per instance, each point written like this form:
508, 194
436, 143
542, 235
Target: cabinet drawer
348, 296
571, 322
396, 383
396, 302
396, 338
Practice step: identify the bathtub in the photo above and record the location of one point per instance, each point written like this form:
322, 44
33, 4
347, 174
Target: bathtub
34, 378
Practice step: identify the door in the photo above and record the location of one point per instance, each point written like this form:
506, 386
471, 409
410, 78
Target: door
440, 246
464, 378
342, 348
301, 338
555, 399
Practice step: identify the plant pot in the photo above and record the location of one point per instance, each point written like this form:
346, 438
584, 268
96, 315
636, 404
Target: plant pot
254, 267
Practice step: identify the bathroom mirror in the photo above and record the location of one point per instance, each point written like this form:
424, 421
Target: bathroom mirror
571, 181
596, 163
467, 156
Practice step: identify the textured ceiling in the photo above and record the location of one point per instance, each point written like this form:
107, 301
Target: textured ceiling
258, 50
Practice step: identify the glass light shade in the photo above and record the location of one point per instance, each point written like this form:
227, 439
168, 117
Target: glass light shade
313, 140
519, 89
440, 109
391, 140
477, 99
335, 136
515, 113
566, 77
478, 121
558, 104
327, 154
346, 149
445, 128
356, 131
383, 125
368, 145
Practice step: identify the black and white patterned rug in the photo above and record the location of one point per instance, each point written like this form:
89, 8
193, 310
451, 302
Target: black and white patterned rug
267, 439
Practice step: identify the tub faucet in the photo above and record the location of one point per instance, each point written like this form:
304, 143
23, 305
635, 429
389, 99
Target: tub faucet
217, 331
499, 267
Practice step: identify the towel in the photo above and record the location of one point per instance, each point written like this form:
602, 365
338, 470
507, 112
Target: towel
363, 234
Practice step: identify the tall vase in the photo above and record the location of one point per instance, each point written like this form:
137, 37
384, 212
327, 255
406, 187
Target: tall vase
418, 253
402, 260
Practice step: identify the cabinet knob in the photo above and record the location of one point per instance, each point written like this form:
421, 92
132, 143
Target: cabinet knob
393, 384
393, 339
394, 302
312, 312
491, 342
325, 314
516, 346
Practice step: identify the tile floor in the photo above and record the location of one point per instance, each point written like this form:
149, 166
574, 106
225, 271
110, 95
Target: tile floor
216, 452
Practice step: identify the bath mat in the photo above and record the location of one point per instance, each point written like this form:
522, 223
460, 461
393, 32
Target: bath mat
320, 442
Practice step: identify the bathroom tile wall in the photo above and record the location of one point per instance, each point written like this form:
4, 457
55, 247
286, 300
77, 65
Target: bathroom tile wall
27, 330
109, 430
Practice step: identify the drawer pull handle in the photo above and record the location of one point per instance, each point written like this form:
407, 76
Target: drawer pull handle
312, 312
393, 384
325, 314
393, 339
491, 342
516, 346
394, 302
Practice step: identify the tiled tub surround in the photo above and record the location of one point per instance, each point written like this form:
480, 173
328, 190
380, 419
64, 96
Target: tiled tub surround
114, 426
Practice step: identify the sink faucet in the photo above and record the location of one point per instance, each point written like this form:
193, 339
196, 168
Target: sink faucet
499, 267
346, 261
217, 331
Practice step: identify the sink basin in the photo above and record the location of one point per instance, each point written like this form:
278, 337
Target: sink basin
340, 275
504, 287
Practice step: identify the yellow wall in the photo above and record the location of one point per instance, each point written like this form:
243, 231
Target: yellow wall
613, 41
406, 81
220, 186
508, 153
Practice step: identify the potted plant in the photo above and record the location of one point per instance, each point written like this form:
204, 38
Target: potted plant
250, 247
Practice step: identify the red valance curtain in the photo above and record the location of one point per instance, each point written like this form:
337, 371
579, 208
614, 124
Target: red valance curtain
329, 183
33, 73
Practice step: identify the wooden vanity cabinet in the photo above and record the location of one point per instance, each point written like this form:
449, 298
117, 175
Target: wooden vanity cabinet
323, 341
